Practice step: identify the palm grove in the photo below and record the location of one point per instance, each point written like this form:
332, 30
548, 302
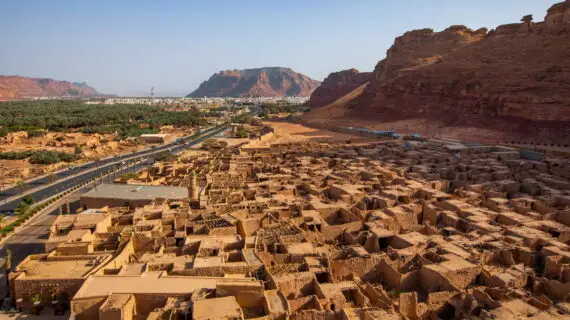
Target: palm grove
124, 120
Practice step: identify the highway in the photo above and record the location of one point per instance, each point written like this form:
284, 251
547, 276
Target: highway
31, 238
45, 187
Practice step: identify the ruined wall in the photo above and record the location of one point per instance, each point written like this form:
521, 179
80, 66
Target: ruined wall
354, 267
87, 309
143, 242
305, 303
120, 259
334, 231
247, 227
317, 315
26, 288
75, 249
432, 280
145, 303
246, 295
296, 285
388, 275
123, 312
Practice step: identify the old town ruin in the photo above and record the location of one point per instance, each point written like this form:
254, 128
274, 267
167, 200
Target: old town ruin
371, 229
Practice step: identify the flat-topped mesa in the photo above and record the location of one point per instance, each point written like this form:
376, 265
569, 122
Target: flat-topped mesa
17, 87
516, 76
424, 46
336, 85
511, 71
258, 82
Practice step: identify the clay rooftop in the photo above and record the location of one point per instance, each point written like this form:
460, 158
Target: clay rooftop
136, 192
156, 282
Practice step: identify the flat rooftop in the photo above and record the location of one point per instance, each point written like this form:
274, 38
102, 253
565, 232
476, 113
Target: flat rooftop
157, 282
136, 192
59, 269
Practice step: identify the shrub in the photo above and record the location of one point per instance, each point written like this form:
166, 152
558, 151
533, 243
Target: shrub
50, 157
36, 133
28, 200
38, 156
242, 133
16, 155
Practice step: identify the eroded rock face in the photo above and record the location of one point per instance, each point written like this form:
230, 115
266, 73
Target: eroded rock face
261, 82
16, 87
423, 47
336, 85
519, 71
558, 17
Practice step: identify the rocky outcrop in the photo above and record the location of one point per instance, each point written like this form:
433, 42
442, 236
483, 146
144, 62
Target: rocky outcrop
558, 17
337, 85
16, 87
261, 82
516, 76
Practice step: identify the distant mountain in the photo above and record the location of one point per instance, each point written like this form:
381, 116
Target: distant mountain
261, 82
17, 88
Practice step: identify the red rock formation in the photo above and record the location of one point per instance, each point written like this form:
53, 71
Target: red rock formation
515, 78
16, 87
262, 82
337, 85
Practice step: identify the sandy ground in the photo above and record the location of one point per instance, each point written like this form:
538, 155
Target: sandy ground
286, 132
93, 146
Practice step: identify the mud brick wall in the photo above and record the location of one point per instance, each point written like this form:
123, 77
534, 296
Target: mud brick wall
26, 288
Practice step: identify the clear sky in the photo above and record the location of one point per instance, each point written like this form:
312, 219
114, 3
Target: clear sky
126, 47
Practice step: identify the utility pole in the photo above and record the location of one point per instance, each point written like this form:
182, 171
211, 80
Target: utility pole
3, 200
8, 267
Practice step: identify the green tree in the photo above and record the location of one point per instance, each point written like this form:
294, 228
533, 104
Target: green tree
21, 184
242, 133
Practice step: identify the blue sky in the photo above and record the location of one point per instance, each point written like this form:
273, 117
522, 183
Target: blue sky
125, 47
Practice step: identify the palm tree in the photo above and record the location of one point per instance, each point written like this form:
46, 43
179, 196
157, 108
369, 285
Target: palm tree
21, 184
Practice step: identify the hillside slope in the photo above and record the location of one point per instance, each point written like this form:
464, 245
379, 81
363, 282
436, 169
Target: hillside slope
510, 83
261, 82
17, 87
336, 85
337, 109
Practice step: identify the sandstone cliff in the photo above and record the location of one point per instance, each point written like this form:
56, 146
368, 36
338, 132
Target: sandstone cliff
16, 87
337, 85
511, 82
261, 82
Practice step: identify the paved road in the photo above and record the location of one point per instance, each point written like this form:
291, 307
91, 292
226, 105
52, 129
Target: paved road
32, 237
67, 179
